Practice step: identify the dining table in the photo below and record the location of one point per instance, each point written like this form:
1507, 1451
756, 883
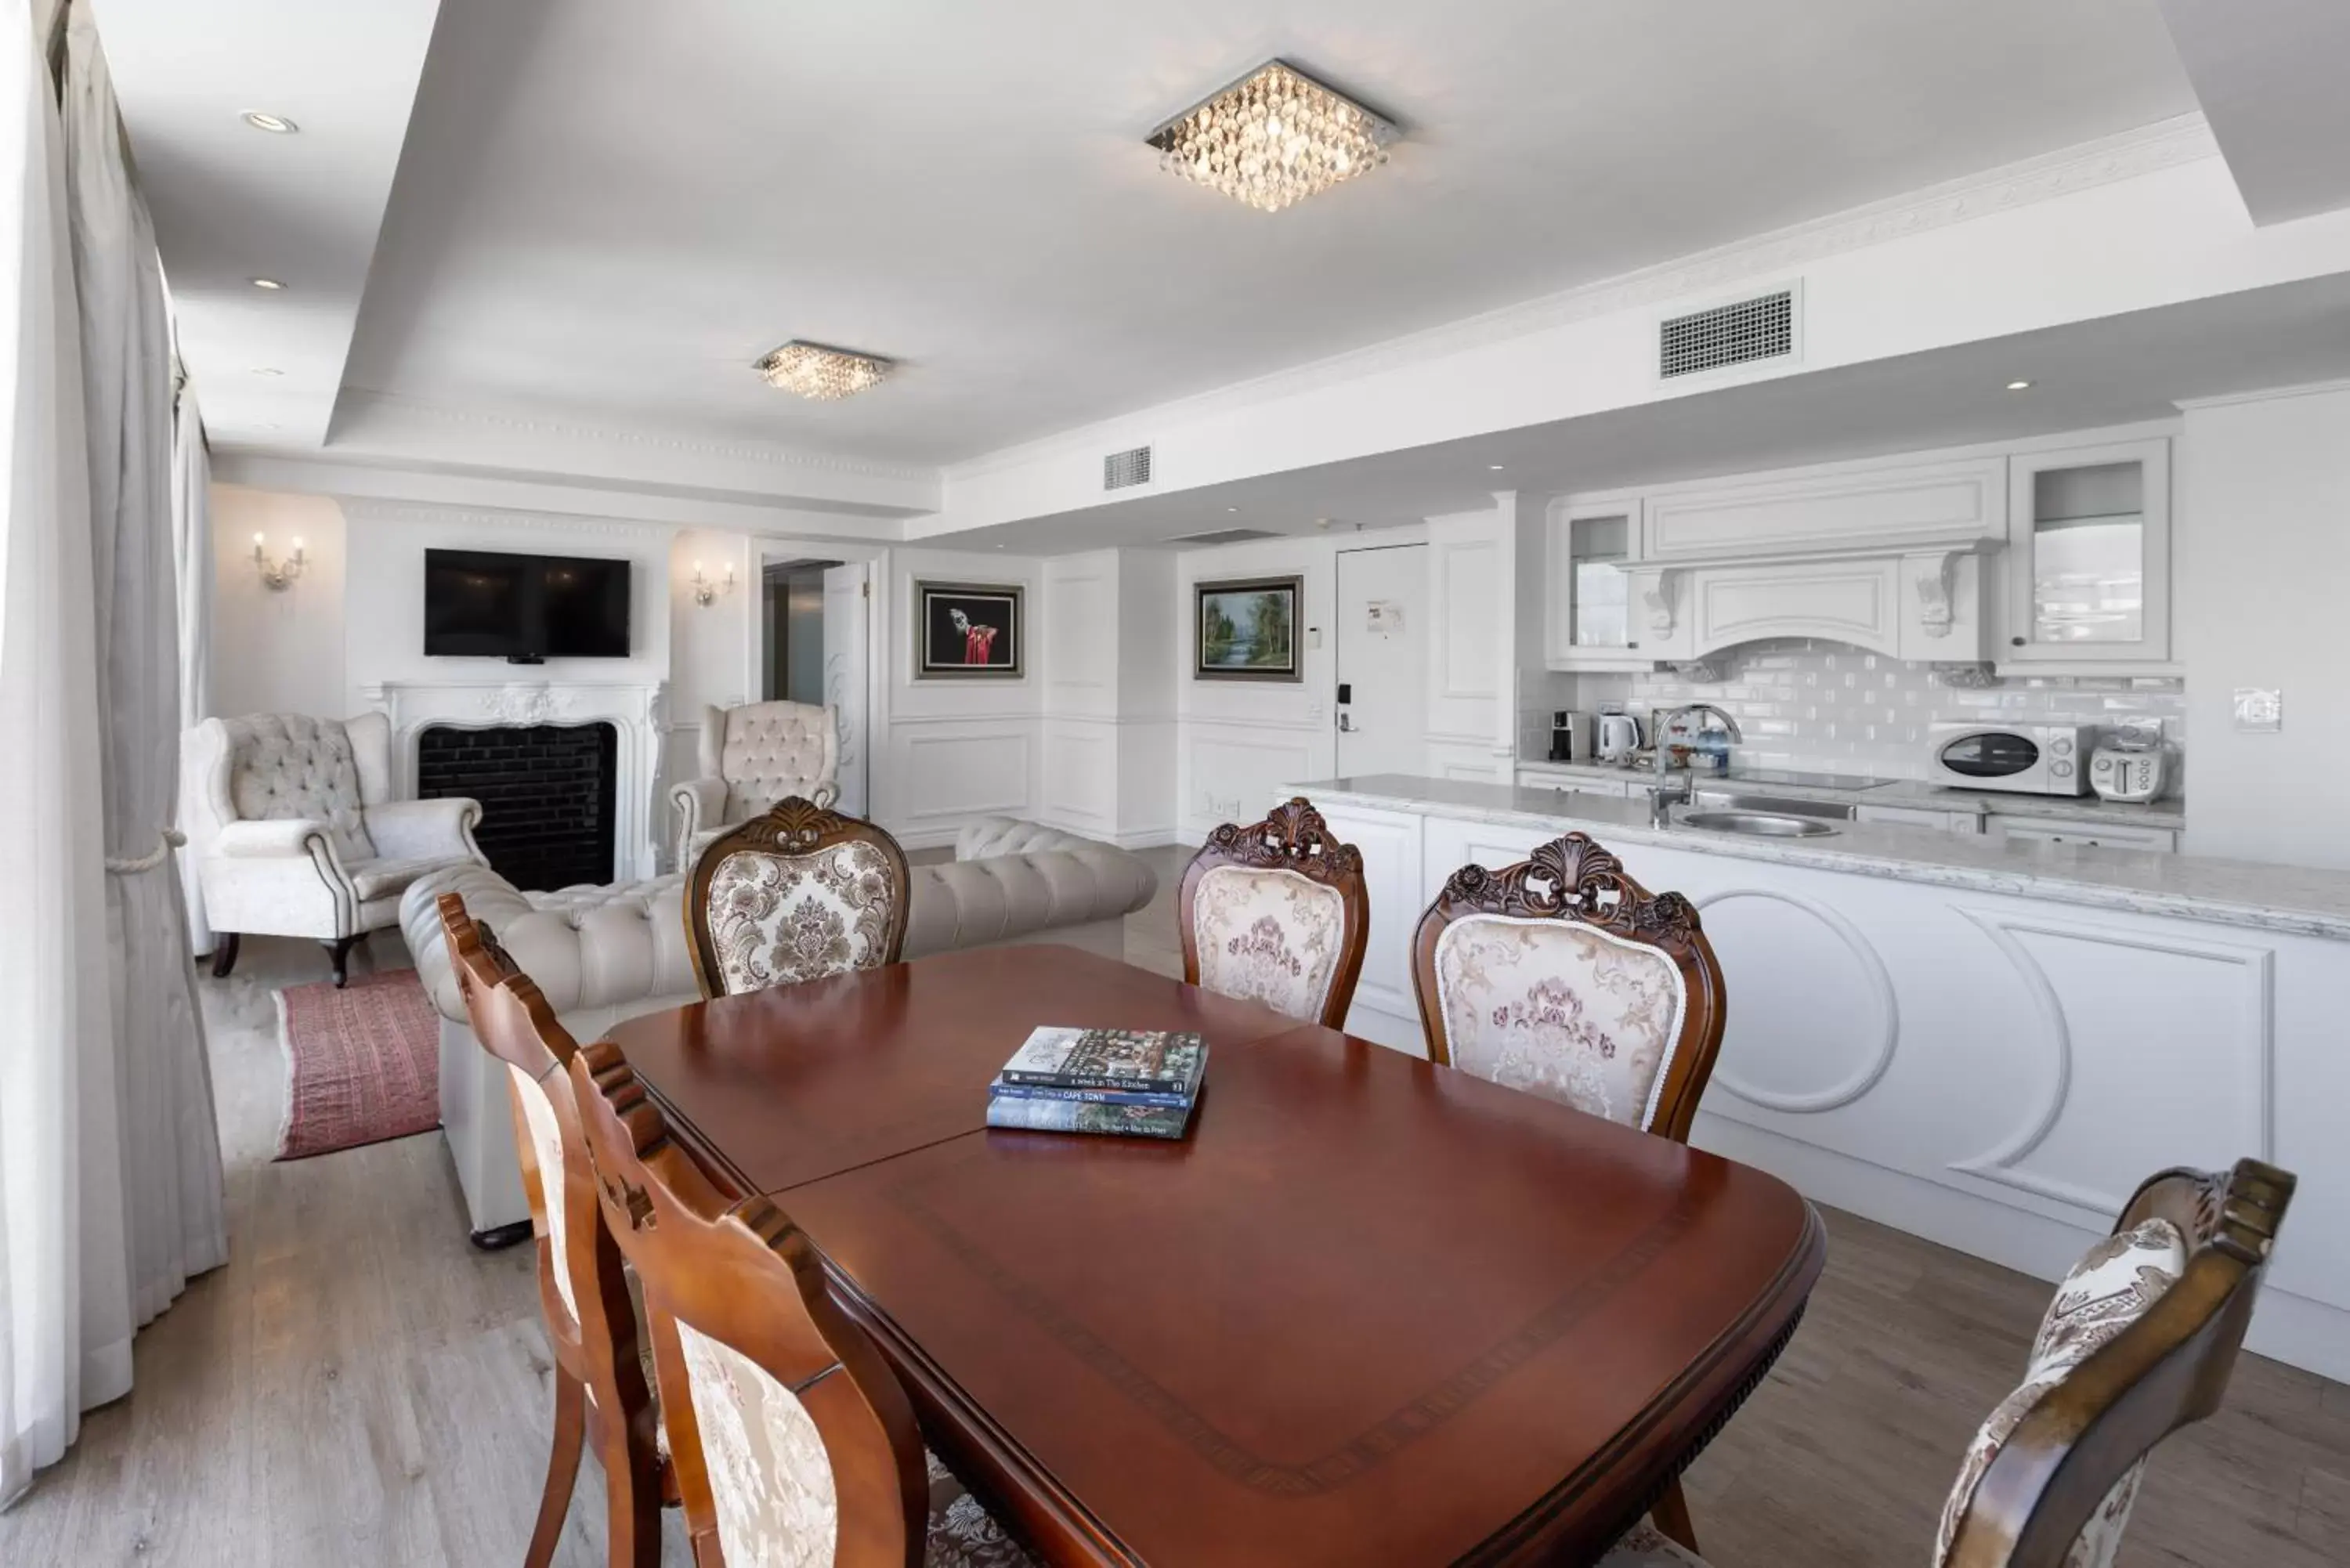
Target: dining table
1367, 1311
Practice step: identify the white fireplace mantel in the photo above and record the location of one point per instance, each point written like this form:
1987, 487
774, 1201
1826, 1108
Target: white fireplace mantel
635, 710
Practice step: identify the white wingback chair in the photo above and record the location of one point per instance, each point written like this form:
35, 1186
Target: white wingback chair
296, 833
751, 757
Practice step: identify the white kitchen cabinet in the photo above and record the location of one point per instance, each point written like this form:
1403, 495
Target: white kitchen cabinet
1890, 505
2087, 581
2110, 834
1594, 621
1967, 822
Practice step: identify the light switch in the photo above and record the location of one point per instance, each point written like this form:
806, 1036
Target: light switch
2260, 710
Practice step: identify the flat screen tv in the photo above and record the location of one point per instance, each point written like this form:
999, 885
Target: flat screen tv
489, 604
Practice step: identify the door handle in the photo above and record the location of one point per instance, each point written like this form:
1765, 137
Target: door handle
1347, 725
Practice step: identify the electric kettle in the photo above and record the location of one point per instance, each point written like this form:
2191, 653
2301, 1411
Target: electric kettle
1619, 736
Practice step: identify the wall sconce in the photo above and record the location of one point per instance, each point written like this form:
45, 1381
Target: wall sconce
278, 576
705, 591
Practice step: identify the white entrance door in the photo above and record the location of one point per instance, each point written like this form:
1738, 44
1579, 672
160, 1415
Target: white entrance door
1382, 707
847, 608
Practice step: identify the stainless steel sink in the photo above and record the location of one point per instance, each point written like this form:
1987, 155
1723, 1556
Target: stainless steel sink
1757, 823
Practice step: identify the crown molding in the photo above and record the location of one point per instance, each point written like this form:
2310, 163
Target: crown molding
564, 431
2263, 395
411, 513
2067, 172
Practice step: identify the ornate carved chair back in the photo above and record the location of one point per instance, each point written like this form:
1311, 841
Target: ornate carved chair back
1277, 913
1564, 977
797, 894
2140, 1341
604, 1389
794, 1442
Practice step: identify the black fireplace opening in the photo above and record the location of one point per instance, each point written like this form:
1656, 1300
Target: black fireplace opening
548, 793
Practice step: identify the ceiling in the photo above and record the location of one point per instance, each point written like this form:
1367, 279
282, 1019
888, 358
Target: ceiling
2114, 370
604, 212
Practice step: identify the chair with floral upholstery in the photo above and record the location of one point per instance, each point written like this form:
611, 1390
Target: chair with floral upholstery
603, 1363
2139, 1341
794, 1442
1277, 912
1564, 977
797, 894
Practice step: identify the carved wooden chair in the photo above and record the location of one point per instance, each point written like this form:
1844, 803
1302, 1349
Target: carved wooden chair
2139, 1341
603, 1384
794, 1442
1277, 912
1564, 977
798, 893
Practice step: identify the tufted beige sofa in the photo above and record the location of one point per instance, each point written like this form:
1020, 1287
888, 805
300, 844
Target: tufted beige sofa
603, 954
751, 757
293, 831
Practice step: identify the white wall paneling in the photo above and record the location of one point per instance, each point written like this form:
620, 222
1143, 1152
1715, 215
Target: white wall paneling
2262, 541
278, 651
1473, 645
1232, 769
943, 773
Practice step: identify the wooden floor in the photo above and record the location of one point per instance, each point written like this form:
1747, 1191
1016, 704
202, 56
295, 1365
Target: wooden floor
359, 1388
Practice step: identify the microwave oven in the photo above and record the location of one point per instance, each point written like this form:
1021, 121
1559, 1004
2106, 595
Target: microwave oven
2024, 759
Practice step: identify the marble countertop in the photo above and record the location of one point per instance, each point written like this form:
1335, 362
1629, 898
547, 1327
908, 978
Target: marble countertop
2197, 887
2170, 811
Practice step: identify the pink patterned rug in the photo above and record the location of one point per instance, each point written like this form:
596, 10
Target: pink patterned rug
362, 1064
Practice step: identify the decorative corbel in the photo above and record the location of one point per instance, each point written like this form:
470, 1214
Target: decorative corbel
1936, 591
1657, 596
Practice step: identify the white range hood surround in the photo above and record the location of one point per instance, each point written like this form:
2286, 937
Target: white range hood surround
635, 710
1924, 604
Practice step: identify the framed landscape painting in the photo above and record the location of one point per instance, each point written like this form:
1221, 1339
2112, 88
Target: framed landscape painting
1246, 630
967, 631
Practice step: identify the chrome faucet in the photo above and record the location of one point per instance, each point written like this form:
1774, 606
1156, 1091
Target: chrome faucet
1662, 798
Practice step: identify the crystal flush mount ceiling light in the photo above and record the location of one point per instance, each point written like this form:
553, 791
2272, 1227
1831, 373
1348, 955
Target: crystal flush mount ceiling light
815, 371
1274, 137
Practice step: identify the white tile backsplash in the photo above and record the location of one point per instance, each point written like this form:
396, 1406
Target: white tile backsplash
1834, 708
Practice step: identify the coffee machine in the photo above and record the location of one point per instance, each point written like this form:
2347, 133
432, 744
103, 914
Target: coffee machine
1570, 740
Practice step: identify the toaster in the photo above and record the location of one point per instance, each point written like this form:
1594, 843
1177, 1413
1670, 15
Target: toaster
2123, 772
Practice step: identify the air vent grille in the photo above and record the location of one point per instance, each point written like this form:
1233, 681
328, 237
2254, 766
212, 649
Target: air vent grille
1121, 470
1741, 333
1224, 536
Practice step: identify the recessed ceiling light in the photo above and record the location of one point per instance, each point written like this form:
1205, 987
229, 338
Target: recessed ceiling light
1232, 509
1274, 137
1494, 467
268, 370
821, 373
276, 124
2019, 386
268, 283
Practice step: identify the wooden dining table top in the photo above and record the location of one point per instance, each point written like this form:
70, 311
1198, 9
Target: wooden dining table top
1369, 1310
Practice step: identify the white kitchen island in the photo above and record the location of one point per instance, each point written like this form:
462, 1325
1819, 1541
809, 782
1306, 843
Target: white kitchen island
1982, 1042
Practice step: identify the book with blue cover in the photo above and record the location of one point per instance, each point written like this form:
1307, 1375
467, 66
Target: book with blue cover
1125, 1061
1088, 1116
1166, 1099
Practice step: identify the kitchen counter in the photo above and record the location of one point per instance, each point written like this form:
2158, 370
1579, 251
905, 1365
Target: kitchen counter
2227, 892
2168, 812
1986, 1042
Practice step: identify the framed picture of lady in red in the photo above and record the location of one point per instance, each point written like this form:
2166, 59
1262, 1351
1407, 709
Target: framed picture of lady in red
965, 630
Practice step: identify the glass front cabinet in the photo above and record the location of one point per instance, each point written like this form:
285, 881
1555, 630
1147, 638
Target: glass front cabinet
2087, 585
1592, 625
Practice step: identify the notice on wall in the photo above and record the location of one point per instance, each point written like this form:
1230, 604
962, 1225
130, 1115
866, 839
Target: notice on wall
1384, 617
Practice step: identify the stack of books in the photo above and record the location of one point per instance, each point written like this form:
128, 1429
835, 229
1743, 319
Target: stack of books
1121, 1082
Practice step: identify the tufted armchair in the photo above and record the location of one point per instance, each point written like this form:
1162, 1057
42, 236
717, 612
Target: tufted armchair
751, 757
296, 833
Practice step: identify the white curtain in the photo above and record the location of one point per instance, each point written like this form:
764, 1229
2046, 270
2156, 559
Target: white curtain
191, 556
192, 549
110, 1159
65, 1291
170, 1142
